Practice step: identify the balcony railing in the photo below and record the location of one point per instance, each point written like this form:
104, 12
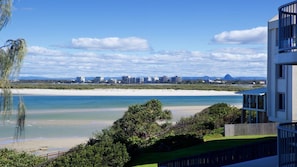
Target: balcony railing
287, 27
228, 156
287, 144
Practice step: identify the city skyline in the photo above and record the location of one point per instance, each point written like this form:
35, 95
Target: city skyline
141, 38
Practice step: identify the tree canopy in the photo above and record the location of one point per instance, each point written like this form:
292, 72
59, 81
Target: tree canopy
208, 120
141, 123
142, 129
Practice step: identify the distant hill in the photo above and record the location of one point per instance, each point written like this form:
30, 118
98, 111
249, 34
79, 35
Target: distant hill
228, 77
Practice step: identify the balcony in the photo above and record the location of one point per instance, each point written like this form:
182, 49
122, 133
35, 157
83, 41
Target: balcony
287, 144
287, 34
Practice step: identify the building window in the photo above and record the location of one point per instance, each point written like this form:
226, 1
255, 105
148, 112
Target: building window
253, 101
261, 102
280, 70
245, 101
281, 101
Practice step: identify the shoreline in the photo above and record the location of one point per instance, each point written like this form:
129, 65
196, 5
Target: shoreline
35, 145
42, 146
47, 145
121, 92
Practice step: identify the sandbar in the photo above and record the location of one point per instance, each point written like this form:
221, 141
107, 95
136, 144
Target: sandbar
45, 146
48, 146
121, 92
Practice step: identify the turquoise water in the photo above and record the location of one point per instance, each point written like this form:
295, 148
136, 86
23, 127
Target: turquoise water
75, 102
80, 116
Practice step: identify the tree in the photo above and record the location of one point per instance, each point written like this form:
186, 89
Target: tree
20, 159
141, 123
104, 152
208, 120
11, 57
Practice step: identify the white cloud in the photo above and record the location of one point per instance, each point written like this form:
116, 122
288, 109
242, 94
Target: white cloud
45, 62
240, 55
239, 62
37, 50
249, 36
112, 43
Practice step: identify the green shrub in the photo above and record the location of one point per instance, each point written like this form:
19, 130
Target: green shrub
12, 158
171, 143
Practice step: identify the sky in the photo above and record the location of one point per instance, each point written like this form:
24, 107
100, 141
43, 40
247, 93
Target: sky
142, 37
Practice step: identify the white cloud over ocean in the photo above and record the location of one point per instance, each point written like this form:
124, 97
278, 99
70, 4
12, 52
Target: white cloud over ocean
256, 35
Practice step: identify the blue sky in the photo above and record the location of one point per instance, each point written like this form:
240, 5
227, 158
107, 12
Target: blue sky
142, 37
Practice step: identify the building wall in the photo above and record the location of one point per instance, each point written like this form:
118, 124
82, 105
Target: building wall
251, 129
276, 84
271, 71
293, 93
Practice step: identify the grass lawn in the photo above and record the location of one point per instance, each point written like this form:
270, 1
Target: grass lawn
150, 159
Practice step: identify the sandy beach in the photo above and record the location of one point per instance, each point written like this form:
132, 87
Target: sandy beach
121, 92
43, 146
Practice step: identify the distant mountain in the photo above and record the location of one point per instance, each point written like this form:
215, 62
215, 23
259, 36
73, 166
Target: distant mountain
228, 77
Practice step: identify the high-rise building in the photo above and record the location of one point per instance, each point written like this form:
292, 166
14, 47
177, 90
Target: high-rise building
80, 79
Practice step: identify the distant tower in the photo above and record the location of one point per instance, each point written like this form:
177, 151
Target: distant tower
98, 79
80, 79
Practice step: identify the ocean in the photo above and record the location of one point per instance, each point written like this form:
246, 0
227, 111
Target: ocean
81, 116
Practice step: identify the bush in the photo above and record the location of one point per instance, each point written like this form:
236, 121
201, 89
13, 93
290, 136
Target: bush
208, 120
102, 151
13, 158
171, 143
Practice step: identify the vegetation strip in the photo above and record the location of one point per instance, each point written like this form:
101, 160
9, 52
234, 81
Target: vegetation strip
216, 87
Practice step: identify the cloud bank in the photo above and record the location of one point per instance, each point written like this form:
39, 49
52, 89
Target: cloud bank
114, 56
45, 62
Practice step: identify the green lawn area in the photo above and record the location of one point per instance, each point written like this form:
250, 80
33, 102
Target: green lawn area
150, 159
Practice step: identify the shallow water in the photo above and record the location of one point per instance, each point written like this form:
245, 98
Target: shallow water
80, 116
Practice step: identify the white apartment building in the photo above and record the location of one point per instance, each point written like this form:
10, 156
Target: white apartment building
281, 67
282, 81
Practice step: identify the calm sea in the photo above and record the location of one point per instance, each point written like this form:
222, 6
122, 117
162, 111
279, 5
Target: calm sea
80, 116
